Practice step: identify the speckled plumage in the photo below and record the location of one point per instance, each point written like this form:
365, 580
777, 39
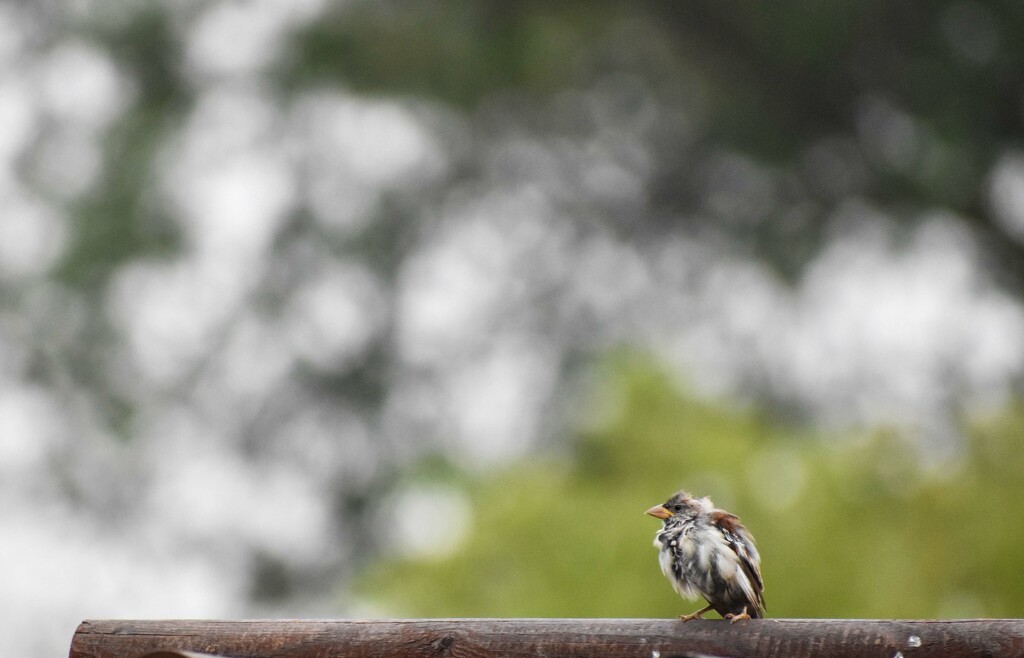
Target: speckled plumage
706, 552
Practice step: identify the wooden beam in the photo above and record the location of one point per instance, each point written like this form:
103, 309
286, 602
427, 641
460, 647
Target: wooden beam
564, 638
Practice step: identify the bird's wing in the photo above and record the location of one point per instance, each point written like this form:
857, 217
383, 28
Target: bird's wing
742, 543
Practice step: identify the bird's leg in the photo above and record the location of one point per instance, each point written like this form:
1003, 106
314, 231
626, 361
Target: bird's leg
735, 618
694, 615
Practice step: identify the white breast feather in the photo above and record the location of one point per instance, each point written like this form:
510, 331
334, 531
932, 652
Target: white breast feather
726, 564
685, 547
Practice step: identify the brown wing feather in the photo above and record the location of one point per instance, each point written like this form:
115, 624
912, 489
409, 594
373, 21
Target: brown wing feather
742, 543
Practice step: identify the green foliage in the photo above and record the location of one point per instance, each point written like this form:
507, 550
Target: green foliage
863, 527
913, 103
121, 218
448, 50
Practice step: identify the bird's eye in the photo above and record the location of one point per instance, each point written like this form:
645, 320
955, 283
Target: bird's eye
677, 508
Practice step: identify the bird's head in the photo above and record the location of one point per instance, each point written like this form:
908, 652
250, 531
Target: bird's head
681, 505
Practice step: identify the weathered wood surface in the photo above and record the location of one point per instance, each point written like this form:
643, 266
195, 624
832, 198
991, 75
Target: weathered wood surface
561, 638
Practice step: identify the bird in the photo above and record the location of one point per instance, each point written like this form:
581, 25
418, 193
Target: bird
705, 551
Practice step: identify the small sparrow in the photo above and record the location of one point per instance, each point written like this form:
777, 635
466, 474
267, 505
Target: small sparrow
705, 551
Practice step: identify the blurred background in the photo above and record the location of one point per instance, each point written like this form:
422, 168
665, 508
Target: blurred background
393, 308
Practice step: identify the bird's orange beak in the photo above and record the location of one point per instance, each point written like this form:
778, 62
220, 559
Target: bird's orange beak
658, 512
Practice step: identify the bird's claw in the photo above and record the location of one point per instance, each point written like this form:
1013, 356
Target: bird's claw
735, 618
694, 615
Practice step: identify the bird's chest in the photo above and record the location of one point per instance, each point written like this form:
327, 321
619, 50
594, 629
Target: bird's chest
682, 543
692, 557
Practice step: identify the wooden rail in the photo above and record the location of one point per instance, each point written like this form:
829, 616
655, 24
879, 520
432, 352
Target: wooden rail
557, 638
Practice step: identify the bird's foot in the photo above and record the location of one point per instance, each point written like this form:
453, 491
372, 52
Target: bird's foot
694, 615
735, 618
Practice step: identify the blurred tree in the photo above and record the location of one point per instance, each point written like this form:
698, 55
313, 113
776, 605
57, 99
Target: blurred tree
854, 528
910, 106
259, 258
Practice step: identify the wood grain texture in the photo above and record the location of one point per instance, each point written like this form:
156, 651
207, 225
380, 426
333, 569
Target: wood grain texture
563, 638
